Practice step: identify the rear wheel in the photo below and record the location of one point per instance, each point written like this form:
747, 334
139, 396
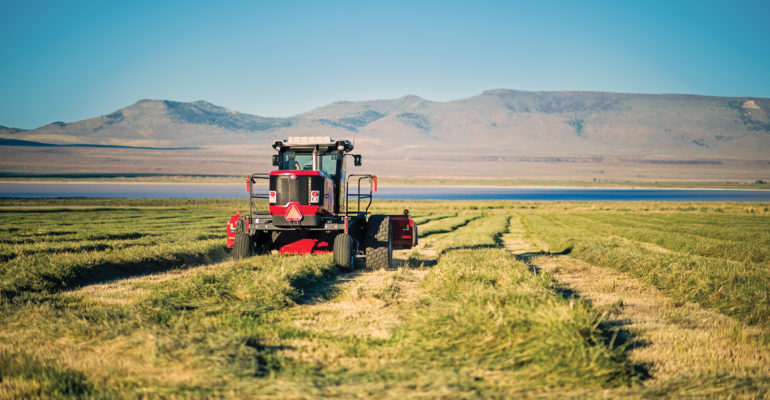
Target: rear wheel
344, 255
379, 242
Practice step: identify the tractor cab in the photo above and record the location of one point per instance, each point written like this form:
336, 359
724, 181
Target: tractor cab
310, 178
317, 159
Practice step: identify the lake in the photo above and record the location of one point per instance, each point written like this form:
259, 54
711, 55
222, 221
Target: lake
43, 190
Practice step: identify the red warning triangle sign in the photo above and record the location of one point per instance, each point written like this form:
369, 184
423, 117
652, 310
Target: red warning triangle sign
293, 214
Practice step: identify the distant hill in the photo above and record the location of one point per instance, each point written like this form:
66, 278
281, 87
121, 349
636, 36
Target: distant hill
7, 130
153, 123
496, 126
541, 122
515, 122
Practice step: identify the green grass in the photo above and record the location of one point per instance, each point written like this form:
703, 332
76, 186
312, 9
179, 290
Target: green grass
718, 261
50, 250
730, 237
447, 224
478, 324
488, 313
138, 299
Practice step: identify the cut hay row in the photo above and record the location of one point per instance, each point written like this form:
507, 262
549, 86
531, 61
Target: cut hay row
734, 288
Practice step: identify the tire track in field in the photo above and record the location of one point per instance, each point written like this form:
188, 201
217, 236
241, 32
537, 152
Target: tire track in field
134, 288
370, 303
690, 350
433, 218
449, 229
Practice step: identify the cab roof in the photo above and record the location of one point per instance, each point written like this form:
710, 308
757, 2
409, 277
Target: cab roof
308, 143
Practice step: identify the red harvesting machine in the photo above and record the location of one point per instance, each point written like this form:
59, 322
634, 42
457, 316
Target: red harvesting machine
315, 207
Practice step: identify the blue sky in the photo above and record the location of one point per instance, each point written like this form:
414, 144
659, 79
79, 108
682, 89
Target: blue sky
71, 60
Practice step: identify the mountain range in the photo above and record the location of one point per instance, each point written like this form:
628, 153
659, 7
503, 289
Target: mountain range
498, 130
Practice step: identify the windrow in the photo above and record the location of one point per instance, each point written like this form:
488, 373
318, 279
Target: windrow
736, 288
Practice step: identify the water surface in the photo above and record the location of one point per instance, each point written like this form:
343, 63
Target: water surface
153, 190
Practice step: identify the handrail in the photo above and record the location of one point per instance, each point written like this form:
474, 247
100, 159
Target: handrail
358, 196
252, 195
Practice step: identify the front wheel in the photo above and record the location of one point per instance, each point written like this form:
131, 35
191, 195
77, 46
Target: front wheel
344, 255
242, 245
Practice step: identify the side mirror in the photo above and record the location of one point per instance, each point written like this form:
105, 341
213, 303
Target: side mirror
275, 159
357, 160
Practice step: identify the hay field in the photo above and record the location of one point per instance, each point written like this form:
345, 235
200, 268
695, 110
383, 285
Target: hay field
128, 298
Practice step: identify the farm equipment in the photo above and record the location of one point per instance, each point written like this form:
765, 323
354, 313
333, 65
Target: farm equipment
315, 207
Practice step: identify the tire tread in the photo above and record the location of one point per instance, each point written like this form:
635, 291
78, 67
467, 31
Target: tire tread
343, 249
378, 236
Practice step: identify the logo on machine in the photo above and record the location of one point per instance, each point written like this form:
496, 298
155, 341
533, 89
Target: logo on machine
292, 213
293, 177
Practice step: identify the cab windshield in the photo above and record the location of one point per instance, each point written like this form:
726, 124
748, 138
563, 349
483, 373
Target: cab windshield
294, 161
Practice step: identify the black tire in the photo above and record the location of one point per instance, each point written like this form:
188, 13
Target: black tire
379, 242
242, 245
344, 253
